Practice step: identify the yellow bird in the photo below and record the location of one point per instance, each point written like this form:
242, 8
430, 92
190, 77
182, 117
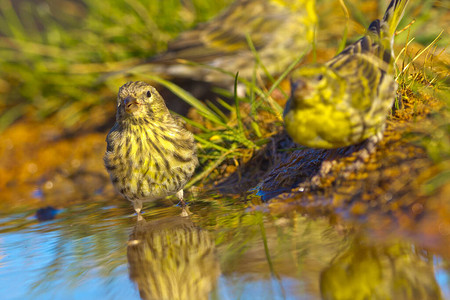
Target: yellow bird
149, 154
279, 29
346, 100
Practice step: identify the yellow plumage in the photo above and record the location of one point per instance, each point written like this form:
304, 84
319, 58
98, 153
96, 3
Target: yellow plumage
279, 29
346, 100
150, 154
170, 258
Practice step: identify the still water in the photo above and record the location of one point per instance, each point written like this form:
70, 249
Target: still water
102, 251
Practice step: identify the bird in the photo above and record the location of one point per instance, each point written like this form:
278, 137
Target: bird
346, 100
280, 30
383, 270
172, 258
149, 153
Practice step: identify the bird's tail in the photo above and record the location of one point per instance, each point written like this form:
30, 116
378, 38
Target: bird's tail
393, 15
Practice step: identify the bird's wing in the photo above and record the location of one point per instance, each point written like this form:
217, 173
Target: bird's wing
178, 120
227, 33
363, 65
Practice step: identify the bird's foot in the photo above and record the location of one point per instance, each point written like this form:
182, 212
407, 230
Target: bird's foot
185, 212
137, 205
184, 208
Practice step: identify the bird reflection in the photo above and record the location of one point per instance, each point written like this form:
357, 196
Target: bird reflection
170, 258
395, 271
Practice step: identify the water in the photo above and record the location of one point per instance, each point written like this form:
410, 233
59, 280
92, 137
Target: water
101, 251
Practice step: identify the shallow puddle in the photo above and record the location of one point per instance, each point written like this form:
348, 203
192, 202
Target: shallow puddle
223, 251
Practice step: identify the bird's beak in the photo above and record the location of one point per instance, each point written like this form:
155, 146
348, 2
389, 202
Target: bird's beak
131, 104
298, 87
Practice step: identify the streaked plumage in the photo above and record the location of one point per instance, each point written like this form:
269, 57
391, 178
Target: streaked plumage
150, 154
171, 258
280, 30
346, 100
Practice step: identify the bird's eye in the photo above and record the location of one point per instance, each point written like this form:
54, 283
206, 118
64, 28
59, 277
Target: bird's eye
319, 77
149, 94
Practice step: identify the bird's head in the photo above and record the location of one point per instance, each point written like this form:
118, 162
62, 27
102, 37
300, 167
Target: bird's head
138, 100
315, 85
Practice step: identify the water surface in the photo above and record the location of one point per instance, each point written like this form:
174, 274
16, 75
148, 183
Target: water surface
223, 251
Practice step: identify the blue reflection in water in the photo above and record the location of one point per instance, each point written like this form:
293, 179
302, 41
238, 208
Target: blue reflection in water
442, 277
42, 263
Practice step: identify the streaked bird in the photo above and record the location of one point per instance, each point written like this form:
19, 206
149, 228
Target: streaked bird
150, 154
346, 100
171, 258
279, 29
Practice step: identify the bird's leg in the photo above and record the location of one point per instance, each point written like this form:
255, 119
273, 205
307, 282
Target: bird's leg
137, 204
185, 209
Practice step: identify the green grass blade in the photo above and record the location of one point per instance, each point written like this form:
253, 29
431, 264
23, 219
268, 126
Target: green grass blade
277, 107
236, 103
258, 58
225, 104
217, 111
206, 112
210, 144
343, 42
211, 167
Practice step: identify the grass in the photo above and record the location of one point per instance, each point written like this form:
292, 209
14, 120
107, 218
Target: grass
53, 53
423, 75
